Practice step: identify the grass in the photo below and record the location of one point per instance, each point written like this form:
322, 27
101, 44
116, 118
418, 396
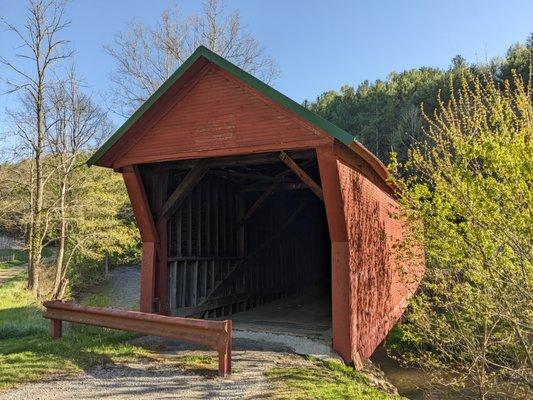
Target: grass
27, 352
325, 380
20, 257
199, 359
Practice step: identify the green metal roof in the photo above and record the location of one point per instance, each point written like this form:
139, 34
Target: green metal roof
250, 80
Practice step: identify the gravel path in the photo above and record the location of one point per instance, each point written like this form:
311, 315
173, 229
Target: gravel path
165, 379
122, 286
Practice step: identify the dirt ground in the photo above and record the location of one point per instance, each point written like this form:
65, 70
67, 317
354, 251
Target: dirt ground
169, 377
9, 273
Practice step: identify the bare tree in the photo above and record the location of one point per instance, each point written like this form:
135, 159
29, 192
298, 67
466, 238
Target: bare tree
147, 55
78, 124
41, 49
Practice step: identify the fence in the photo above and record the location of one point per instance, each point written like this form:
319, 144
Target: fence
214, 334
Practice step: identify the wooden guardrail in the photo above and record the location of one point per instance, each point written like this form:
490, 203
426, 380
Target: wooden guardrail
214, 334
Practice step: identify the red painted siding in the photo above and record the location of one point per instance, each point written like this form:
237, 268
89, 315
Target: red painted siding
220, 116
378, 283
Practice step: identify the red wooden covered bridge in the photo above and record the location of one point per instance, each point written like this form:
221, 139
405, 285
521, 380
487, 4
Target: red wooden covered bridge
243, 197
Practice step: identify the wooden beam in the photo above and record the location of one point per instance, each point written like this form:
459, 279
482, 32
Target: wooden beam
315, 187
344, 341
215, 334
257, 204
188, 183
243, 175
280, 187
139, 202
148, 277
149, 235
240, 160
159, 188
278, 179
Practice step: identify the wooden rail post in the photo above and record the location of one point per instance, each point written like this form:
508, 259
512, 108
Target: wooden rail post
224, 352
56, 328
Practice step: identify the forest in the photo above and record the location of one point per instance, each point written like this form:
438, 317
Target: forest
386, 115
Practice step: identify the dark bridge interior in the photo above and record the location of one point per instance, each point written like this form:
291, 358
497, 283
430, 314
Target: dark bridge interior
250, 232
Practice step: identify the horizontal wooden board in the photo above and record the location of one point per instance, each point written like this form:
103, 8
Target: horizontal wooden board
219, 115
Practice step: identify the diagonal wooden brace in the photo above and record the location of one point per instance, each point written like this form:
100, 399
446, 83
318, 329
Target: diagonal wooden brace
315, 187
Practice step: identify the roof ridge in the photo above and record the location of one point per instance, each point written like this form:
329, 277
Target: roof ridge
267, 90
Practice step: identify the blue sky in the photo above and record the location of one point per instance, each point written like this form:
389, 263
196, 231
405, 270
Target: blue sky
318, 45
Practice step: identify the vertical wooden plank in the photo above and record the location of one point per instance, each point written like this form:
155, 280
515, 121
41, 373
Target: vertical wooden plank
187, 286
179, 223
223, 213
240, 210
162, 268
189, 227
189, 245
212, 275
204, 278
199, 229
160, 188
228, 289
198, 200
139, 202
207, 196
184, 283
216, 206
172, 287
147, 276
343, 341
194, 284
231, 220
145, 223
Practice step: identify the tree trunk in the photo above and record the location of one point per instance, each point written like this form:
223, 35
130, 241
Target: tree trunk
29, 236
57, 292
36, 239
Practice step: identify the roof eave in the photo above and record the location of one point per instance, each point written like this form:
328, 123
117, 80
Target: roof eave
255, 83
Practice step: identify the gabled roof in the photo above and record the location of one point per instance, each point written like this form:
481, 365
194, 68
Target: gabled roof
266, 90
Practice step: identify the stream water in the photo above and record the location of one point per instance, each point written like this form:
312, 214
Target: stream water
410, 382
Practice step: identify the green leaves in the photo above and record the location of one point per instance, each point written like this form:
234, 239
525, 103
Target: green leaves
471, 188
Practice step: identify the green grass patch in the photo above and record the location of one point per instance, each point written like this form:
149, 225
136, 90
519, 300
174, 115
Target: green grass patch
198, 359
97, 300
28, 353
324, 379
201, 364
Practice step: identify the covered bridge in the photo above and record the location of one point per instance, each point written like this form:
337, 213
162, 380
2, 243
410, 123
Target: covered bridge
243, 197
